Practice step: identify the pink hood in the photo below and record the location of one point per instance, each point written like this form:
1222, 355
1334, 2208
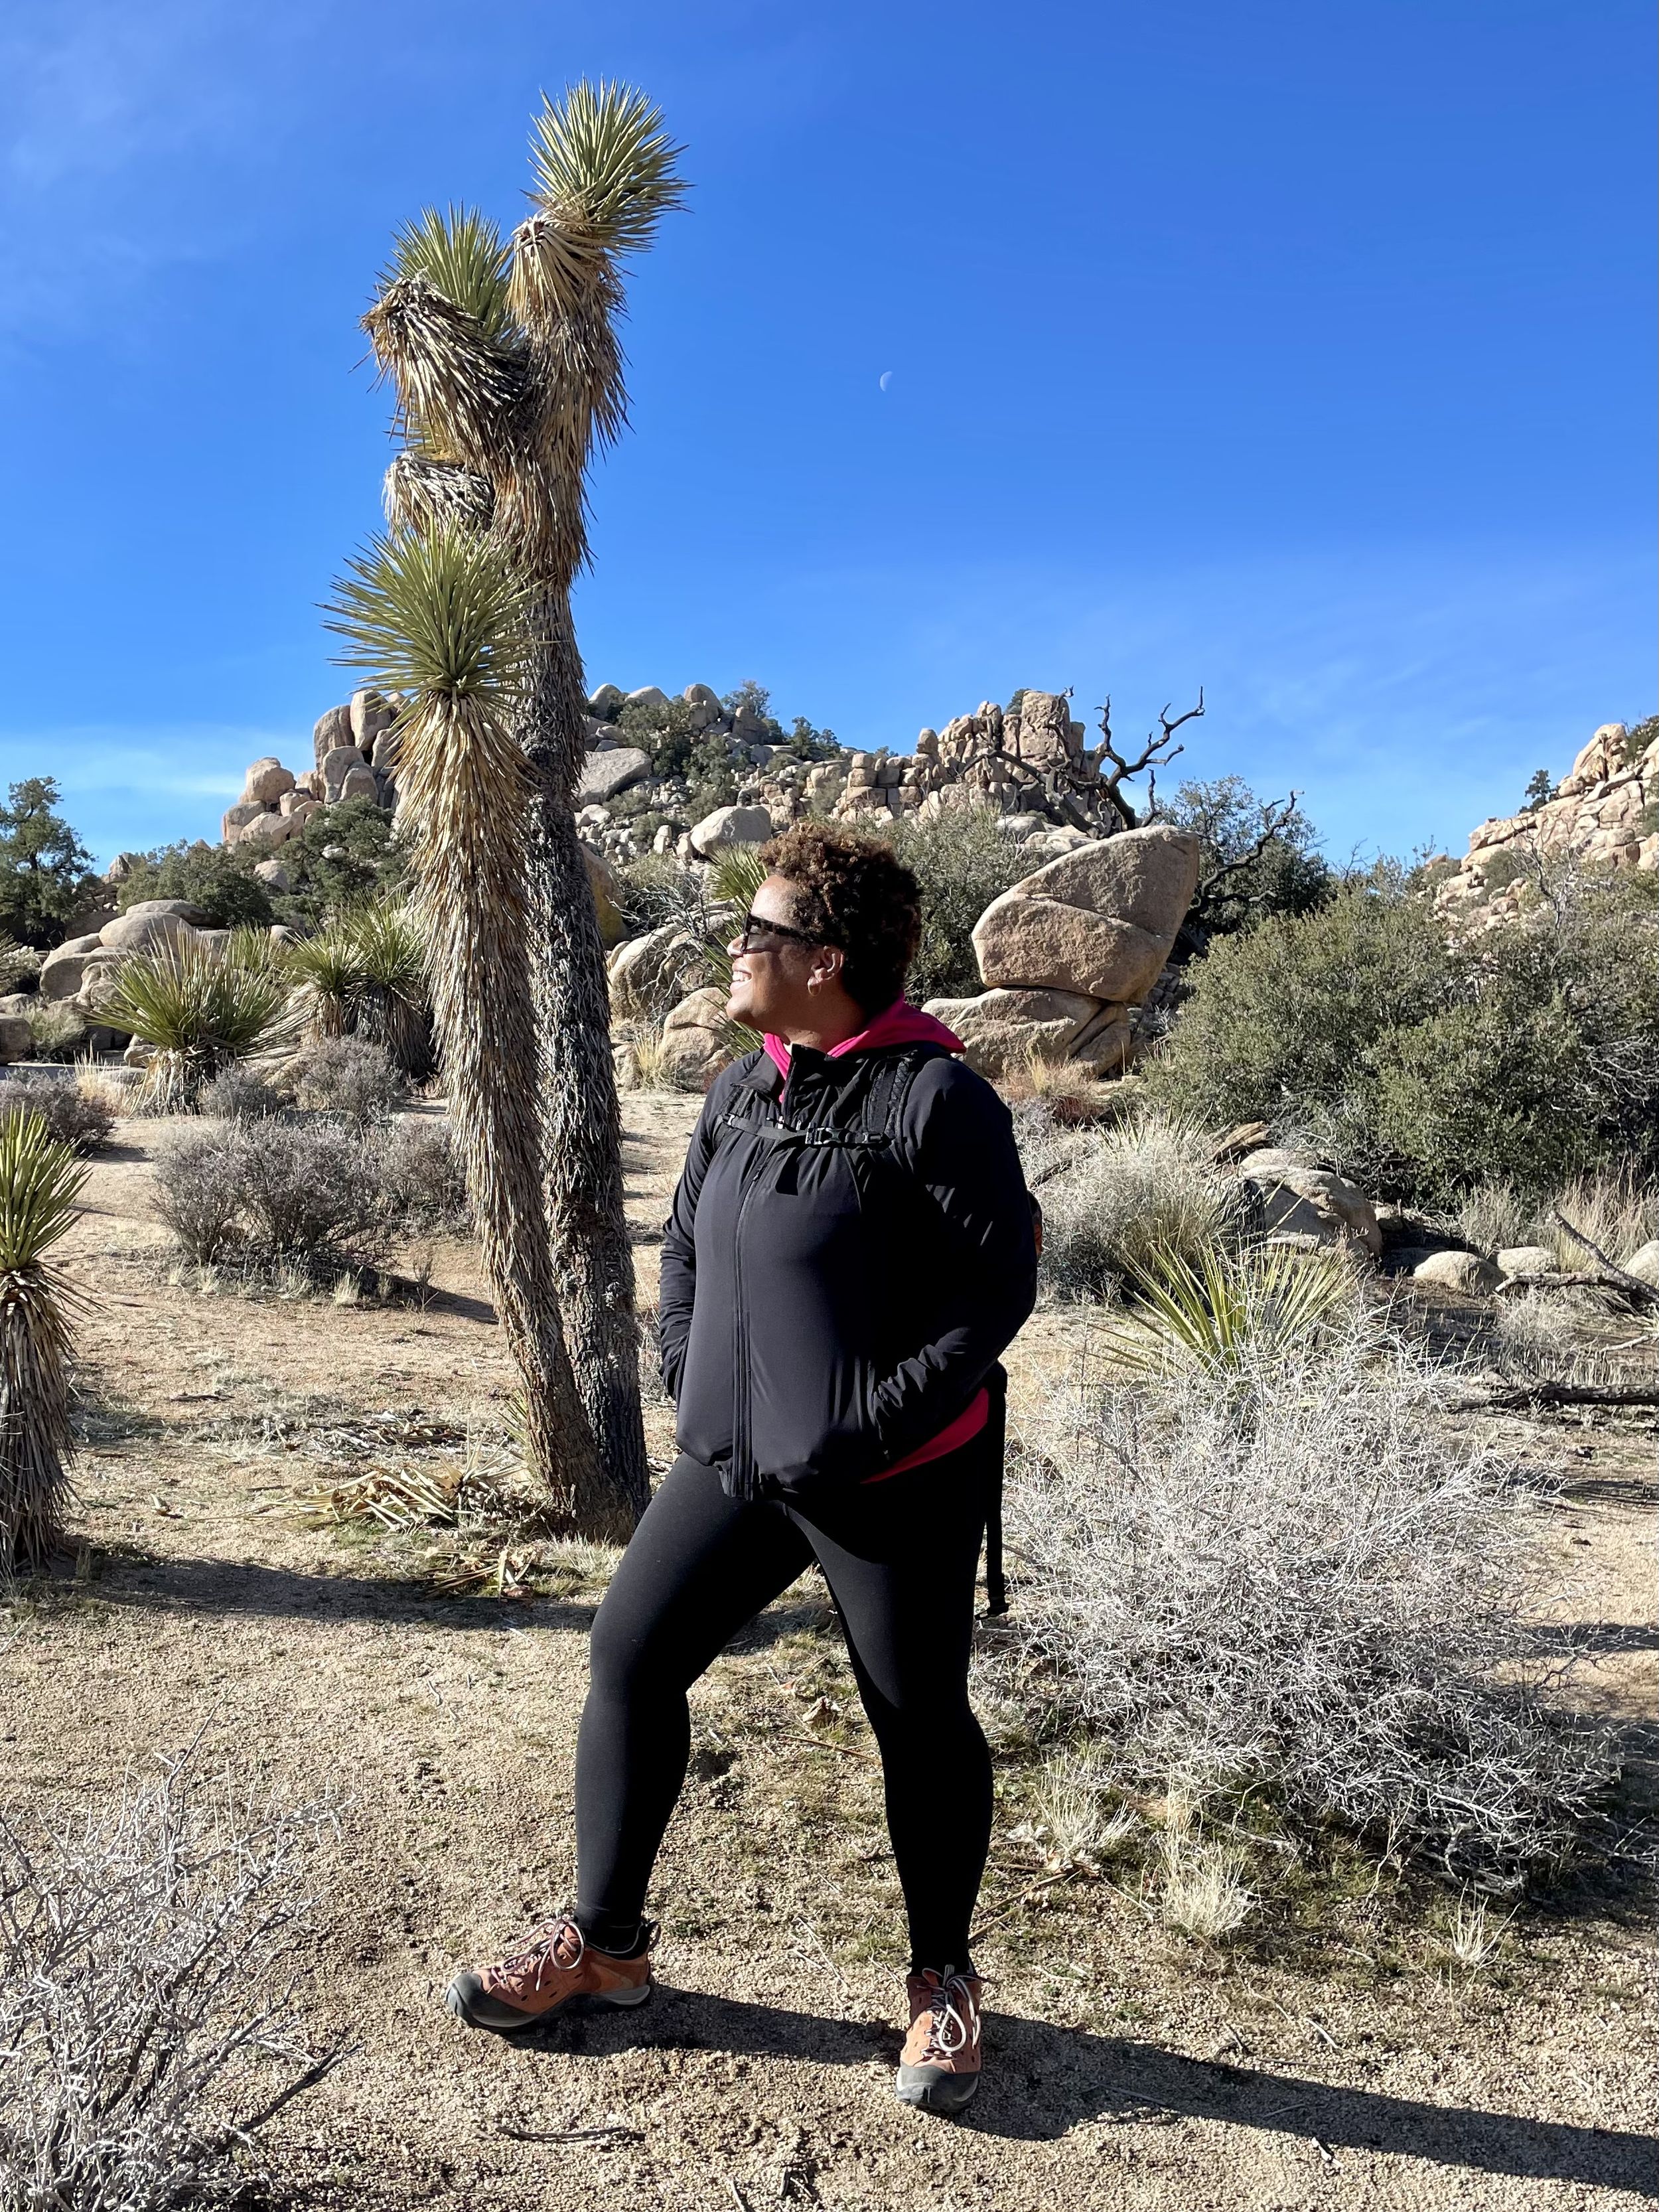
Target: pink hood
901, 1024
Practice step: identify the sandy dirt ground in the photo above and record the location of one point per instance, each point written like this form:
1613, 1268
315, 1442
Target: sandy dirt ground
1329, 2059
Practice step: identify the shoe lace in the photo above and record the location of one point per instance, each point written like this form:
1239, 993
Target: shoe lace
542, 1949
952, 2016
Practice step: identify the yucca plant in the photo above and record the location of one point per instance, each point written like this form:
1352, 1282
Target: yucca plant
439, 615
16, 960
1230, 1307
40, 1179
326, 966
201, 1008
394, 1006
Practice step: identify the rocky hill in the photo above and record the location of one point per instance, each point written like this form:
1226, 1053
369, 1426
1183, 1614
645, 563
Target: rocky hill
1604, 813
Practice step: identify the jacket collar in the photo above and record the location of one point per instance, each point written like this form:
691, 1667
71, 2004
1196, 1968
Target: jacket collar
899, 1024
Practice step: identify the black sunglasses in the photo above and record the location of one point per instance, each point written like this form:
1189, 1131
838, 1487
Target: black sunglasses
752, 922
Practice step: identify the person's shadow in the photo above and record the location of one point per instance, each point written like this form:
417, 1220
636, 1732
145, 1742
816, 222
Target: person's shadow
1041, 2081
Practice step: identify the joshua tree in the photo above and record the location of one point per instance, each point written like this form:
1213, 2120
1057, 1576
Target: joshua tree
510, 372
440, 614
40, 1179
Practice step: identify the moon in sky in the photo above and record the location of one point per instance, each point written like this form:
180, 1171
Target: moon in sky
885, 377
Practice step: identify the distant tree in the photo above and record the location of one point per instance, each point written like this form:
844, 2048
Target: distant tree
1257, 857
44, 867
1540, 791
219, 878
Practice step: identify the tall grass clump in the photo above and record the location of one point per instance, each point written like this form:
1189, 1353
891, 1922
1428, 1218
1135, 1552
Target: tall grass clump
1114, 1197
41, 1180
200, 1008
150, 1952
1284, 1575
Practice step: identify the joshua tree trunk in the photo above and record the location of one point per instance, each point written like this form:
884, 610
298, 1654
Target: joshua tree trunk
582, 1120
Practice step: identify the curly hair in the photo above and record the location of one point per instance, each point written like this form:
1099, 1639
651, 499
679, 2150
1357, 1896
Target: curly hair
851, 892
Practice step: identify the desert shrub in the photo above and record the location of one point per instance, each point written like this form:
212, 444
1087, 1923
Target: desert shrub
350, 1079
299, 1191
219, 878
1286, 1577
197, 1190
1226, 1307
17, 962
419, 1177
962, 861
1114, 1197
308, 1194
57, 1031
365, 973
1423, 1062
149, 1950
239, 1093
73, 1115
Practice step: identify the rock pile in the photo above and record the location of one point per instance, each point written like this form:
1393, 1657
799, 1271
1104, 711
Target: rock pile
1070, 952
355, 757
78, 976
1605, 811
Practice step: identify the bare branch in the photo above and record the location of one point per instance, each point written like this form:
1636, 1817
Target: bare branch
1632, 1285
1157, 752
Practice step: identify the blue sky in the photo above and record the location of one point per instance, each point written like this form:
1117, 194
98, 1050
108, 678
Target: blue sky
1300, 351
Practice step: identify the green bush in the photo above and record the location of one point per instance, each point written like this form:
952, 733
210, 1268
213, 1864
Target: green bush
219, 878
1425, 1063
962, 862
1258, 858
345, 856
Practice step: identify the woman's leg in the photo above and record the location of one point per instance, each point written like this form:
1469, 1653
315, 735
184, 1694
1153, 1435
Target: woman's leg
699, 1564
901, 1559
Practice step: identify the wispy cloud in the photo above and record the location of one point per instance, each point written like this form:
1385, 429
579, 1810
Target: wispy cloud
105, 100
128, 789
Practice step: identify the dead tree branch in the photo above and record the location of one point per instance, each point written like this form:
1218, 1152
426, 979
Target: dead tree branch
1632, 1285
1158, 751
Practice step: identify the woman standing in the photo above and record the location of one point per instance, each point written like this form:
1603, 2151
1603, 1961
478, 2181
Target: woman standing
850, 1251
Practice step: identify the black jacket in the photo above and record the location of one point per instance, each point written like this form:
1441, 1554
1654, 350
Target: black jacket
846, 1259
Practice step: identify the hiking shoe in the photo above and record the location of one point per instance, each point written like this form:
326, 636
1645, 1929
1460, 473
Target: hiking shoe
554, 1970
938, 2066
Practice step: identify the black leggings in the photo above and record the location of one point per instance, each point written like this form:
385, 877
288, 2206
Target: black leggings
900, 1558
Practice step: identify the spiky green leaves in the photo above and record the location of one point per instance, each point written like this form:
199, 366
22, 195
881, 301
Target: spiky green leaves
1234, 1306
461, 254
41, 1180
439, 615
605, 167
202, 1008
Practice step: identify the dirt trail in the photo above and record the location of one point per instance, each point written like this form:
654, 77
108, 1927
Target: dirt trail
1344, 2066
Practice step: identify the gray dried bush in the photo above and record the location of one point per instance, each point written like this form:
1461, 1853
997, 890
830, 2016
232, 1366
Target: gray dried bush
199, 1171
419, 1179
299, 1191
1112, 1197
1286, 1576
149, 1960
350, 1079
238, 1093
72, 1115
309, 1193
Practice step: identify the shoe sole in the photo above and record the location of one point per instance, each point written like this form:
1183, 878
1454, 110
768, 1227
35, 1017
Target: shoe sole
460, 1999
932, 2090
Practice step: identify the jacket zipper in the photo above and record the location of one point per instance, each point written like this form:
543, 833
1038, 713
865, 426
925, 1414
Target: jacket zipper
746, 1480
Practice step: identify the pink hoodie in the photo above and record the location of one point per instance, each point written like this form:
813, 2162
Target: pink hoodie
899, 1024
903, 1023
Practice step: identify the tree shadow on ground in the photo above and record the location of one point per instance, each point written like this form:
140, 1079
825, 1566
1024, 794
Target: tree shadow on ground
186, 1586
1043, 2081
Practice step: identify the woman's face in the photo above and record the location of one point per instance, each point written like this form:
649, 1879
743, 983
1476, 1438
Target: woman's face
778, 974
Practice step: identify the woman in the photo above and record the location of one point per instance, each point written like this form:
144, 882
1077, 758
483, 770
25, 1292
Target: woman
849, 1252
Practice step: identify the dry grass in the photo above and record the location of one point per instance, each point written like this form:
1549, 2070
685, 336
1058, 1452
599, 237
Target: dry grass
1202, 1891
1616, 1212
1112, 1198
1476, 1937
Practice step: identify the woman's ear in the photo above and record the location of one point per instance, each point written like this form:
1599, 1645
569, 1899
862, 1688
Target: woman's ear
828, 961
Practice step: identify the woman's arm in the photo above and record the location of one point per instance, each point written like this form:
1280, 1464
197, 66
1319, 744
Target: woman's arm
679, 1250
981, 1251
